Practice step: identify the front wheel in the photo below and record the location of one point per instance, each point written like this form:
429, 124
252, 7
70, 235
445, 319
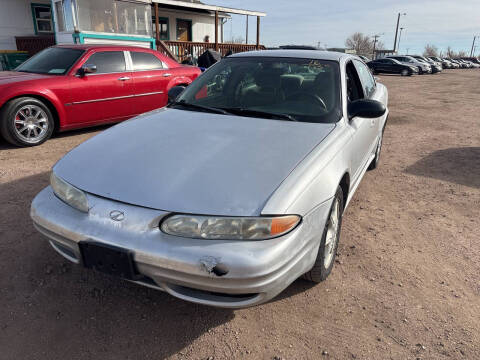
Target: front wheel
376, 160
404, 72
328, 244
26, 121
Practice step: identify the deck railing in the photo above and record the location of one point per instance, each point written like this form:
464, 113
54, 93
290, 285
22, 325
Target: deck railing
183, 49
34, 44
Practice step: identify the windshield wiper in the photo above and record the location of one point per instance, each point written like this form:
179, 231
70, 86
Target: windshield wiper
199, 107
258, 113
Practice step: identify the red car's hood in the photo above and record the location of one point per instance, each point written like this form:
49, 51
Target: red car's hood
7, 77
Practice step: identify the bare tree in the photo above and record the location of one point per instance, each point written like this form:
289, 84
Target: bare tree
451, 53
462, 54
361, 43
430, 50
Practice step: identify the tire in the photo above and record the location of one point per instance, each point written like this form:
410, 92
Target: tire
326, 253
404, 72
29, 114
374, 164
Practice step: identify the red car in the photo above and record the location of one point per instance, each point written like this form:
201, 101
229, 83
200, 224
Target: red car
69, 87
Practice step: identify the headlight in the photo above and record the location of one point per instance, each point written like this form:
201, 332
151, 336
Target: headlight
229, 228
68, 193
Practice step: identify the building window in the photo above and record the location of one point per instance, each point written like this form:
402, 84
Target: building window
42, 18
60, 16
184, 30
163, 27
117, 17
64, 11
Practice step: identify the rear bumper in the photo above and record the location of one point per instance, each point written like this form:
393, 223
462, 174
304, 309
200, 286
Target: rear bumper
257, 270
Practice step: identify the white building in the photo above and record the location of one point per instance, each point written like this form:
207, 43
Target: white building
32, 25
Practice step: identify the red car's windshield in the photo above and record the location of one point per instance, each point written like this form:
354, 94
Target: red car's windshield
52, 61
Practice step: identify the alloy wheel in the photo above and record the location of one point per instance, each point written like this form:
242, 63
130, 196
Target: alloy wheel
31, 123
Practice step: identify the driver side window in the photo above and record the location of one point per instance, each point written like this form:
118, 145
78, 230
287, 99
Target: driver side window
354, 86
366, 78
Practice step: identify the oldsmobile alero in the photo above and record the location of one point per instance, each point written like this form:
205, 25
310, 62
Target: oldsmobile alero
234, 190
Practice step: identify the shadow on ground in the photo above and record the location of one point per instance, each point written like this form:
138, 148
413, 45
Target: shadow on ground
457, 165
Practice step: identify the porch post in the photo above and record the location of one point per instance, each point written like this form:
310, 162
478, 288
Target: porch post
258, 32
157, 26
216, 30
246, 33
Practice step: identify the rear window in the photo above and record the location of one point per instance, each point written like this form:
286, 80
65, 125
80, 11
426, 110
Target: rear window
108, 62
145, 61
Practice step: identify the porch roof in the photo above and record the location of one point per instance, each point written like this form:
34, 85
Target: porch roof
200, 6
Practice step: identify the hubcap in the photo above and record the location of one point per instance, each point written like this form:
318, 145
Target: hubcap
332, 234
31, 123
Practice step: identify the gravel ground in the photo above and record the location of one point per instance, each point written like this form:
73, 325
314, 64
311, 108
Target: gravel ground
406, 283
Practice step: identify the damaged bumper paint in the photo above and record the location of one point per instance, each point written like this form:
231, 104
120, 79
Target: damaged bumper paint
230, 274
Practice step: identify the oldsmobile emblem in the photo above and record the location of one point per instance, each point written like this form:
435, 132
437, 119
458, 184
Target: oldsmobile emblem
116, 215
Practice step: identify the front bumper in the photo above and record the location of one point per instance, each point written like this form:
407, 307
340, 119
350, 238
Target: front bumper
257, 270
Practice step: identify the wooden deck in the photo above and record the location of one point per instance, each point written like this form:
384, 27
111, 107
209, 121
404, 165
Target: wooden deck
180, 50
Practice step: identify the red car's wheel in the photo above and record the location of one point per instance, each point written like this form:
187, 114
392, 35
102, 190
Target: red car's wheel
26, 122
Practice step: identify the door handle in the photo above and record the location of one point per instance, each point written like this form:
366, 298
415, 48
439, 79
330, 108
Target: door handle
372, 122
167, 75
123, 78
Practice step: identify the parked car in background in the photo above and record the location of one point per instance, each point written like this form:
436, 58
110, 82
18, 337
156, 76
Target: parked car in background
391, 66
203, 199
445, 64
364, 58
68, 87
423, 68
436, 67
458, 63
453, 64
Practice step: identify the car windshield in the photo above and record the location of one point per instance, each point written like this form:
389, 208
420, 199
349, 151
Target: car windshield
53, 61
295, 89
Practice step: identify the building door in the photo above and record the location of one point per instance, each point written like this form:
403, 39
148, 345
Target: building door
184, 30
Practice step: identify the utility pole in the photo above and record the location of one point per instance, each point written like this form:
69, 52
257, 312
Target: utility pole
375, 37
396, 31
400, 38
473, 46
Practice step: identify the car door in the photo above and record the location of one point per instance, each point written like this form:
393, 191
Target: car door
103, 96
151, 77
383, 65
390, 66
365, 131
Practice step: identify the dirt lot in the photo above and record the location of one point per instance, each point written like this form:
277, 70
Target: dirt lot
406, 284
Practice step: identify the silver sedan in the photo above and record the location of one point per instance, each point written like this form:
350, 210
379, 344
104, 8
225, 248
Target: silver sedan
232, 191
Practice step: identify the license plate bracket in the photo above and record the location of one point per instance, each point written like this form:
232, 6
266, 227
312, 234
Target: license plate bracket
108, 259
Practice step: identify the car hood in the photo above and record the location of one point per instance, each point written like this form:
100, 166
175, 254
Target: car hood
7, 77
191, 162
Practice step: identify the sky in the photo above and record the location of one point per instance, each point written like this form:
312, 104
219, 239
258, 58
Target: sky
442, 23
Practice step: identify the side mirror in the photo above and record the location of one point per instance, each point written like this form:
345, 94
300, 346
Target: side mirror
174, 92
366, 108
87, 69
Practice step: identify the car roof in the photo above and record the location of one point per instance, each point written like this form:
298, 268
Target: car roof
102, 47
300, 54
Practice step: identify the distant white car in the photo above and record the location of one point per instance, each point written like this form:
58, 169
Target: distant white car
232, 192
423, 68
